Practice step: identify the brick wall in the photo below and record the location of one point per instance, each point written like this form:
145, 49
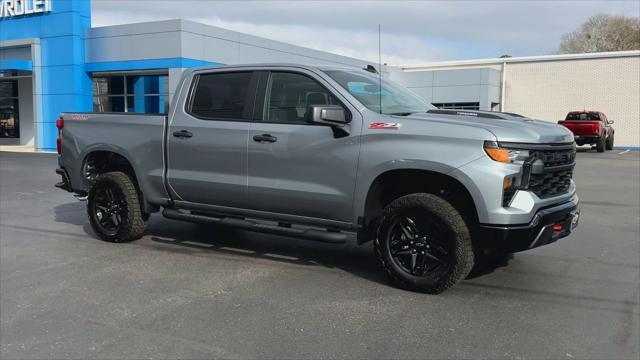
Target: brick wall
547, 90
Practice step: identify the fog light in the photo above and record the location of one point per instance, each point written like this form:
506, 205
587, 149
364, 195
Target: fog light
507, 183
509, 187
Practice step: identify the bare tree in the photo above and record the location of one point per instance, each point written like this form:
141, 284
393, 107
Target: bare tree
603, 33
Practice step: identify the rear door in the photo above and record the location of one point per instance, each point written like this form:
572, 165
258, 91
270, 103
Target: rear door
295, 167
207, 140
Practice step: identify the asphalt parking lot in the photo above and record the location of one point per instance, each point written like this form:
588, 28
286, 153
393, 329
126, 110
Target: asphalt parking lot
185, 291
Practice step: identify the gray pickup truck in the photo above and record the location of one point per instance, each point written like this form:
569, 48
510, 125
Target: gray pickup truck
328, 154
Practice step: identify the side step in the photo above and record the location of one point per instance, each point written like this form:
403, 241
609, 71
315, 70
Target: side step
308, 234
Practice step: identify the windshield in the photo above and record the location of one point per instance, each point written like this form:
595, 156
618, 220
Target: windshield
395, 99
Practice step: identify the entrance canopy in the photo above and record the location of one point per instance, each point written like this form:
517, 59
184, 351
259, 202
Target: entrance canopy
15, 65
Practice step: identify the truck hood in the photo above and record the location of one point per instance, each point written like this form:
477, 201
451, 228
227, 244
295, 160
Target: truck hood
506, 127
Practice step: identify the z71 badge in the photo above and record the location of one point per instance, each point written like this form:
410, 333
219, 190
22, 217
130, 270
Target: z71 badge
385, 126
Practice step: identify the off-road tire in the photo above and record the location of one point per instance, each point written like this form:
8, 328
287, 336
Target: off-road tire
602, 144
609, 145
133, 224
445, 213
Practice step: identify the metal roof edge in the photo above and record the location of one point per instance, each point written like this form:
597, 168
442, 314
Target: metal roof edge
498, 61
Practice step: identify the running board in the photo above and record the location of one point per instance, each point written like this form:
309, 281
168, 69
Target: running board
308, 234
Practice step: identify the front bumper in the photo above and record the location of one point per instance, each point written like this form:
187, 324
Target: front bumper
548, 225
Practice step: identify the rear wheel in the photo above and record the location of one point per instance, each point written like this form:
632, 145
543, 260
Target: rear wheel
114, 208
424, 244
610, 143
601, 145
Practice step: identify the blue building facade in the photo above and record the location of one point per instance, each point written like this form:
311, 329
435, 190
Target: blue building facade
47, 47
52, 61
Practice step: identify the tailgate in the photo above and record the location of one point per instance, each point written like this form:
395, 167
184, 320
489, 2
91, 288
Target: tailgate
582, 128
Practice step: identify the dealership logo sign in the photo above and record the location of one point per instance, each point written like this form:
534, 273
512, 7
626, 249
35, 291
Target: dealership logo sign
15, 8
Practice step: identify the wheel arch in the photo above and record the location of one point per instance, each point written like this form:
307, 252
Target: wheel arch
394, 183
108, 160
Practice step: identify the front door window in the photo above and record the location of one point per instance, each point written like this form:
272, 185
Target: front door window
9, 124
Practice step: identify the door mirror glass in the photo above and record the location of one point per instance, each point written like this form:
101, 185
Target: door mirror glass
327, 115
610, 121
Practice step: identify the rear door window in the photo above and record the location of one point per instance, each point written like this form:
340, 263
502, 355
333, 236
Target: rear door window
223, 96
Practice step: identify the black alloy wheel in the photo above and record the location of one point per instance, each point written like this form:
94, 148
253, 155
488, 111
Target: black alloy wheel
114, 209
423, 243
419, 245
109, 209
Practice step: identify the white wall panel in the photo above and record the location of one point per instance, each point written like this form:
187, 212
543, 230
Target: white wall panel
548, 90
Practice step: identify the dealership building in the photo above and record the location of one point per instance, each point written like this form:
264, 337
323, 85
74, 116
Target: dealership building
539, 87
52, 60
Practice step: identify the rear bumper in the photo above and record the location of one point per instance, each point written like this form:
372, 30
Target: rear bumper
547, 226
586, 139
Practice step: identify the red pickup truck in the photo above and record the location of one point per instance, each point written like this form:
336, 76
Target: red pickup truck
590, 127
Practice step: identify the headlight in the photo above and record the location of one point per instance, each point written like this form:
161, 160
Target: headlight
512, 183
507, 156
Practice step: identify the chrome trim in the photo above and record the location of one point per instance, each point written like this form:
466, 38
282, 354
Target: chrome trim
542, 147
542, 230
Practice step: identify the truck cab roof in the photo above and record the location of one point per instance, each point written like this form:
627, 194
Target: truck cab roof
318, 67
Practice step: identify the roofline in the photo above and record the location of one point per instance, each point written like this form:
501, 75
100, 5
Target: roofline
498, 61
185, 25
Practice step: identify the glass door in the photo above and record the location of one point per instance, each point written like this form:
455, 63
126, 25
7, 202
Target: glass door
9, 123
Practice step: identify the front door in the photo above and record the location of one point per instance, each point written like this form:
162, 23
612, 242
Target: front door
295, 167
207, 141
9, 117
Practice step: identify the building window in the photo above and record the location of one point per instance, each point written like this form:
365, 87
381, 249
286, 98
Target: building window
131, 93
9, 124
457, 106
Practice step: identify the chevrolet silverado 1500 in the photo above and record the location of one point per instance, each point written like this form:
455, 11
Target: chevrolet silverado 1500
328, 154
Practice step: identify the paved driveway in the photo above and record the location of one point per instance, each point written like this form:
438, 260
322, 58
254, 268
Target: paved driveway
188, 291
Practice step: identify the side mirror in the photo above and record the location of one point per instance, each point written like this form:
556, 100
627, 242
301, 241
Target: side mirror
609, 122
332, 115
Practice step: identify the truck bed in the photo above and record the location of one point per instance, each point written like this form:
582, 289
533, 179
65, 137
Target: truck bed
138, 137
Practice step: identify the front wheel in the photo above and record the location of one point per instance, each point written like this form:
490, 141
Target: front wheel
423, 243
114, 208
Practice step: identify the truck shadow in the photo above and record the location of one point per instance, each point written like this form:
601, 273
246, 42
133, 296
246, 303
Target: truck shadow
71, 213
355, 259
487, 264
585, 149
176, 236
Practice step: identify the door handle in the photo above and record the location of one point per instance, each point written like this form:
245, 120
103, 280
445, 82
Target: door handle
265, 138
182, 134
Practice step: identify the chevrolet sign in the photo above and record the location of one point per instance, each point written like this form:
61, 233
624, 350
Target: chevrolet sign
14, 8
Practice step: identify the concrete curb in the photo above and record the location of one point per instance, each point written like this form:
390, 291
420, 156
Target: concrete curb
23, 149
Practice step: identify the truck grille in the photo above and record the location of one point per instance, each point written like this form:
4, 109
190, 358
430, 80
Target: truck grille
556, 157
556, 175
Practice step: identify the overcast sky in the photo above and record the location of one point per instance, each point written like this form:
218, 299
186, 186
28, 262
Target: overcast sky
412, 32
